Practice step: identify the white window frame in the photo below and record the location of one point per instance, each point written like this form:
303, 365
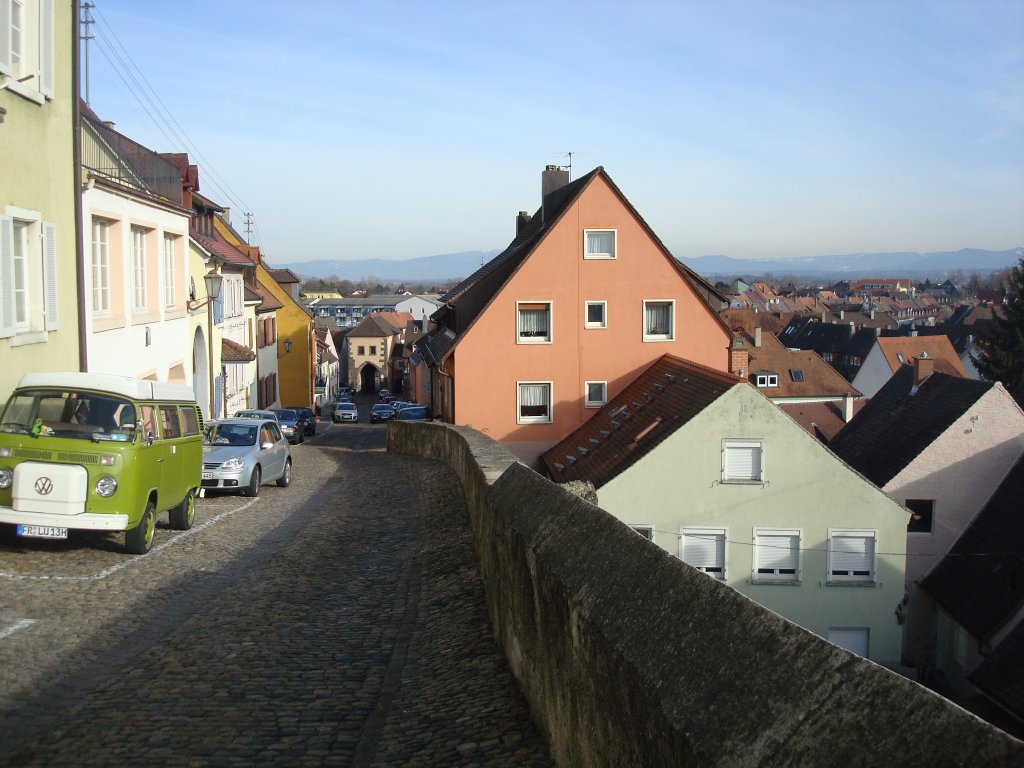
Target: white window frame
547, 419
587, 323
767, 380
671, 335
588, 254
100, 250
762, 547
520, 339
170, 287
586, 394
731, 444
869, 558
26, 238
140, 270
719, 538
27, 61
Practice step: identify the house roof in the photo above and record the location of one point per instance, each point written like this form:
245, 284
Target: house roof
466, 300
233, 352
980, 582
801, 373
270, 301
655, 404
900, 350
833, 338
221, 248
749, 318
901, 420
373, 326
823, 419
1001, 674
284, 275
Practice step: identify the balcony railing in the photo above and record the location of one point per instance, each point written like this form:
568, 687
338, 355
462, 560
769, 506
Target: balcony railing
105, 152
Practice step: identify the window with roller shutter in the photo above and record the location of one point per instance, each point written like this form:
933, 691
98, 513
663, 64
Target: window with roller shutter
704, 549
742, 461
851, 556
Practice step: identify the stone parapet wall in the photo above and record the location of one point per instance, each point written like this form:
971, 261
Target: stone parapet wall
627, 656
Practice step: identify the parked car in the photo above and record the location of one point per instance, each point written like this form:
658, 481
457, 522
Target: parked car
345, 397
255, 414
242, 454
90, 451
383, 393
413, 413
380, 412
308, 417
292, 425
397, 405
344, 412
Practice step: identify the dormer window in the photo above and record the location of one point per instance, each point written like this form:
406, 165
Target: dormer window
767, 380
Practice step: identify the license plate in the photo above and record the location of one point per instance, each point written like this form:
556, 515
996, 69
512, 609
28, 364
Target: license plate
42, 532
207, 475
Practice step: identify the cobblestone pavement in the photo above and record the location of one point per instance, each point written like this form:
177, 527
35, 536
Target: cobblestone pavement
336, 622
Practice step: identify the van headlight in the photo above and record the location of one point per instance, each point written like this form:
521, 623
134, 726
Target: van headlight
106, 486
235, 462
6, 478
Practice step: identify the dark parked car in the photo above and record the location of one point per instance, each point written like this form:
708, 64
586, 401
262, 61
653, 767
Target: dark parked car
413, 413
309, 417
292, 425
380, 412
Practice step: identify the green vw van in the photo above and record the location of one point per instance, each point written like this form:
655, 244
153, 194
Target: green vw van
99, 452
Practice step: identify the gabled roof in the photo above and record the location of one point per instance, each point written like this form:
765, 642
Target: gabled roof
284, 275
980, 582
466, 300
233, 352
221, 248
823, 419
270, 302
373, 326
901, 350
658, 402
900, 421
801, 373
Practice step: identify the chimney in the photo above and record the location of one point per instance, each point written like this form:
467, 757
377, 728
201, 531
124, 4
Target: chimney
757, 337
739, 357
521, 221
842, 314
847, 408
551, 180
924, 366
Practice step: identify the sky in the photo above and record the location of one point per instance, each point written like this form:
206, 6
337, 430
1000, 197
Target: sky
748, 129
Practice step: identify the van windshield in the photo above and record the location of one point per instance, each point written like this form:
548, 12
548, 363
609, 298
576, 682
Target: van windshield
70, 413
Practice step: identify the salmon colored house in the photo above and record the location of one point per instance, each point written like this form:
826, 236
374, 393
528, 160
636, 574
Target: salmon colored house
585, 297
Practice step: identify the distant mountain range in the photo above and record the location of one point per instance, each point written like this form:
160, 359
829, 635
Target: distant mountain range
451, 266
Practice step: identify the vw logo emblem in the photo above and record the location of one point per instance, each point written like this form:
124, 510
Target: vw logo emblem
43, 486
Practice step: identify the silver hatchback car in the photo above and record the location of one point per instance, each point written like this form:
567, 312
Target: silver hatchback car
242, 454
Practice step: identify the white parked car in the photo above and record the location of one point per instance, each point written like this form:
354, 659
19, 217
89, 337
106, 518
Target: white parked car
344, 412
242, 454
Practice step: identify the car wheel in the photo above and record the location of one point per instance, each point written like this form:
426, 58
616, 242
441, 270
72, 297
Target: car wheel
286, 479
139, 540
183, 515
254, 483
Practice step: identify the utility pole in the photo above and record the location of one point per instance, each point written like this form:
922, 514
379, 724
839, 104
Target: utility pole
87, 21
248, 227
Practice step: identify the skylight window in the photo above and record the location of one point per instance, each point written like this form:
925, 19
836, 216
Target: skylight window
797, 374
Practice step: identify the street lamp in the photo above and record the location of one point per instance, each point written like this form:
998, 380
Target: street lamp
214, 281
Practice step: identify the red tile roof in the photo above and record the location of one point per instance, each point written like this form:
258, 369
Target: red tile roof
823, 420
817, 378
909, 347
233, 352
221, 248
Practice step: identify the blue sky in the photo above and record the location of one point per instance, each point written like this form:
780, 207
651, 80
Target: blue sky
750, 129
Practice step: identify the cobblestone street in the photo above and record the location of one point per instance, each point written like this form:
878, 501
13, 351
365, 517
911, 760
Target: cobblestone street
336, 622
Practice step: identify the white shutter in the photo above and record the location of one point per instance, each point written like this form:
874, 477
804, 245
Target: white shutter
8, 325
50, 276
46, 47
705, 550
5, 36
852, 555
778, 551
742, 461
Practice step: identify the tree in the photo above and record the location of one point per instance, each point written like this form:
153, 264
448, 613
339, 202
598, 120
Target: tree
1002, 355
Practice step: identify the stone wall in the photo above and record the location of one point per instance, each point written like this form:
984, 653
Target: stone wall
629, 657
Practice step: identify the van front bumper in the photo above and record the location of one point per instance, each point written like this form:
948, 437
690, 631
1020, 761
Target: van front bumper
84, 521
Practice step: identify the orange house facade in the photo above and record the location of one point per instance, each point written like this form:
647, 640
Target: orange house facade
586, 297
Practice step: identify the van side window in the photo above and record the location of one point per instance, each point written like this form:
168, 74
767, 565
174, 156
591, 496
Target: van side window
169, 422
148, 422
189, 421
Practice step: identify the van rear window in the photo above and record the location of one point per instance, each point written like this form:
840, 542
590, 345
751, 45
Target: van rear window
189, 421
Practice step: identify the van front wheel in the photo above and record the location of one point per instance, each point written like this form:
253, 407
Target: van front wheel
183, 515
139, 540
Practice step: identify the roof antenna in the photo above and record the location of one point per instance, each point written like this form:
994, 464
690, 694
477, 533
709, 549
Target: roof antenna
569, 166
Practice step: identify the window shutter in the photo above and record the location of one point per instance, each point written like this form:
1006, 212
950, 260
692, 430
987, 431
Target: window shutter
5, 36
46, 46
8, 326
704, 550
50, 276
777, 551
743, 462
851, 554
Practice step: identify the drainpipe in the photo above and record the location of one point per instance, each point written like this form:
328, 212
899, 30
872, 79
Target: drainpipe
76, 159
